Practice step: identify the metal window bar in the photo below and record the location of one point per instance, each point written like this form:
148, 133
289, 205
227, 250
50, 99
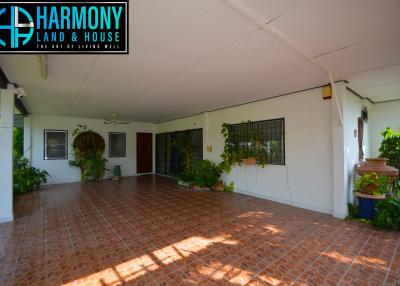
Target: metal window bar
272, 133
169, 160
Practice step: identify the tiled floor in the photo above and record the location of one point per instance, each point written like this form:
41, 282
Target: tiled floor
148, 231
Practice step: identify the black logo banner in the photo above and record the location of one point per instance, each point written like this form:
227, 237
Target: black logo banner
79, 27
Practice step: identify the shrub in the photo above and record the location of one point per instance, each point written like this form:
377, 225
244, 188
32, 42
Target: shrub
186, 176
388, 214
206, 174
390, 147
27, 178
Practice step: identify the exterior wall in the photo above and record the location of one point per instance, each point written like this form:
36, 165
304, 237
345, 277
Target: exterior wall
306, 179
59, 170
352, 110
191, 122
383, 115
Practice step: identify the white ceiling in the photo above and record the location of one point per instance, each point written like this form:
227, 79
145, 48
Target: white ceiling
190, 56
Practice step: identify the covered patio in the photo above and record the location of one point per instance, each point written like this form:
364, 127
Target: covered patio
224, 146
148, 231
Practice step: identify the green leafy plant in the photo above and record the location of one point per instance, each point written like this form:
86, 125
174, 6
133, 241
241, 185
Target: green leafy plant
372, 184
186, 176
185, 148
250, 146
18, 142
390, 147
88, 147
229, 188
352, 211
388, 214
27, 178
206, 174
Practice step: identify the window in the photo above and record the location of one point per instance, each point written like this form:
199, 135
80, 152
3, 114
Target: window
271, 133
117, 144
55, 144
168, 160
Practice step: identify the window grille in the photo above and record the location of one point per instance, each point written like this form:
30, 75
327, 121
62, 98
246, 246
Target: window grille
169, 159
270, 133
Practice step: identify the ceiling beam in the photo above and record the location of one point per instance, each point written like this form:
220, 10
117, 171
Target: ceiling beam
253, 17
43, 65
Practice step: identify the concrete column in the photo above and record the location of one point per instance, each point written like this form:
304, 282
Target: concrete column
338, 154
28, 138
6, 154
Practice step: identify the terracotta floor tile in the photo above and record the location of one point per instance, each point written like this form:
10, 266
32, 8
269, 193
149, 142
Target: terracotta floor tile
148, 231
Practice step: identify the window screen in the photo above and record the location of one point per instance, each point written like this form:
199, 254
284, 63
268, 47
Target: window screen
169, 160
117, 144
271, 133
55, 144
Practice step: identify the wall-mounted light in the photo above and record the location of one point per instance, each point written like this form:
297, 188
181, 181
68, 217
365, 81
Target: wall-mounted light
327, 92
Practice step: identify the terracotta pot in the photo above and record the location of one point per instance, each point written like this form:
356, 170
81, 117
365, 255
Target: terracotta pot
378, 162
378, 166
197, 188
250, 161
219, 187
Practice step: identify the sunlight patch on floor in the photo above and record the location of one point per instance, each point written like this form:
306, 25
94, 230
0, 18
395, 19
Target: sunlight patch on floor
138, 267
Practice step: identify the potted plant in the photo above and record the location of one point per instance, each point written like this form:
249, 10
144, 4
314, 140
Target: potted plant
185, 178
88, 147
369, 189
206, 175
27, 178
246, 147
219, 186
186, 151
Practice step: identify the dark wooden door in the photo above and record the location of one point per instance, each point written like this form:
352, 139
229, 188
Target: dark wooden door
144, 153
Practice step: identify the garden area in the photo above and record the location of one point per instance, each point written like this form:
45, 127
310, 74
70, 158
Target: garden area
377, 186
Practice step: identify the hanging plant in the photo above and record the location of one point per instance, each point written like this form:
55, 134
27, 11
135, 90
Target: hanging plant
246, 147
364, 113
88, 147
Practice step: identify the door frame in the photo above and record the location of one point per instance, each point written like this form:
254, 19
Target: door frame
152, 154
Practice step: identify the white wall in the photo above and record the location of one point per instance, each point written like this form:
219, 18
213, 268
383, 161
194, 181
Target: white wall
352, 111
306, 179
382, 115
191, 122
59, 170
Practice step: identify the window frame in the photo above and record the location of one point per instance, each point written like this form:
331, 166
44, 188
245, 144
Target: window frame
283, 142
164, 162
109, 144
45, 157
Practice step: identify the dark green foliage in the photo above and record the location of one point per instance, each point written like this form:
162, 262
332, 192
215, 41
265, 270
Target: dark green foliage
88, 150
186, 176
18, 142
390, 147
206, 174
185, 148
27, 178
235, 154
352, 211
388, 214
229, 188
